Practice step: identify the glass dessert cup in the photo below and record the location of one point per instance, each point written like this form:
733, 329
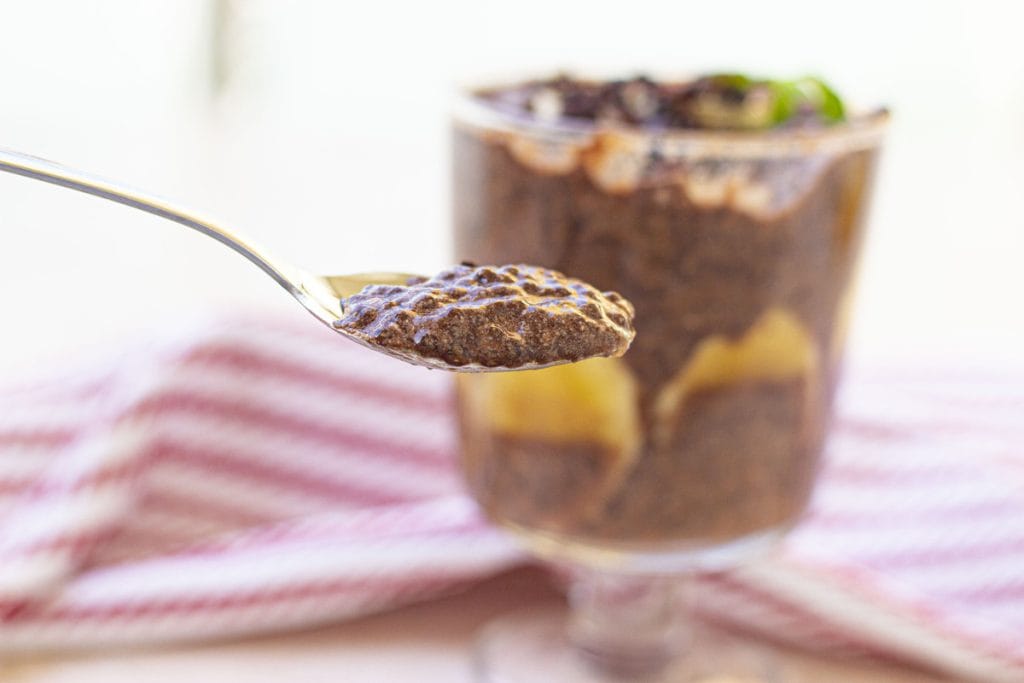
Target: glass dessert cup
696, 450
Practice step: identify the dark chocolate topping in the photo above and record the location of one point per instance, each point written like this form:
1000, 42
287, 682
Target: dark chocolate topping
720, 101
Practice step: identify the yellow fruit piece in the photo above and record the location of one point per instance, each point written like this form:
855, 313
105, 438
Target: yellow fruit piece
841, 327
616, 162
549, 157
777, 347
591, 401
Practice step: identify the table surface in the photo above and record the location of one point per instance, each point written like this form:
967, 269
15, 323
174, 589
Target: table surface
425, 642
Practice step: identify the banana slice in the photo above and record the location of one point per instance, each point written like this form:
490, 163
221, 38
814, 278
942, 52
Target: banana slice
594, 400
776, 347
591, 402
841, 326
616, 162
548, 157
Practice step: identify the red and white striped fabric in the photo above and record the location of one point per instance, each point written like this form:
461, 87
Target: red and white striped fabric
243, 476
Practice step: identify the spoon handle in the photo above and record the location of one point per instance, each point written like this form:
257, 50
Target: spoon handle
57, 174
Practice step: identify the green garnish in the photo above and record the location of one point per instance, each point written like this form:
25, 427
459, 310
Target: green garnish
765, 103
737, 82
810, 92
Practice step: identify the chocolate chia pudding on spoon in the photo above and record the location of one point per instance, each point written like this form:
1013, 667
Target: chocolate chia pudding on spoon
487, 318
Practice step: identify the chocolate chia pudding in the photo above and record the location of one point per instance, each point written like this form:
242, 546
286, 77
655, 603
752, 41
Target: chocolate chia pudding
491, 317
729, 211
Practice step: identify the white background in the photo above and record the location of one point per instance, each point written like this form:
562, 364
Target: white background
328, 143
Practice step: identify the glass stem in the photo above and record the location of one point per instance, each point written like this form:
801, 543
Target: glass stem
626, 626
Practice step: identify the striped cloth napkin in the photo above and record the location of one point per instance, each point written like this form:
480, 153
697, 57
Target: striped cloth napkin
244, 476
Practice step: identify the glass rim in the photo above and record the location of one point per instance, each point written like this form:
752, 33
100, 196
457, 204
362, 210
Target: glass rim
864, 131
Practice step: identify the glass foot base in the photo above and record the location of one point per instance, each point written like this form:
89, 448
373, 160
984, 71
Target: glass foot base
533, 646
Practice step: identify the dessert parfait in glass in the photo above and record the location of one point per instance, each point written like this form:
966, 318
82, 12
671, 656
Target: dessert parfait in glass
730, 211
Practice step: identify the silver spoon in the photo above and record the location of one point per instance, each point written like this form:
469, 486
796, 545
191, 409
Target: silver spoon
321, 295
